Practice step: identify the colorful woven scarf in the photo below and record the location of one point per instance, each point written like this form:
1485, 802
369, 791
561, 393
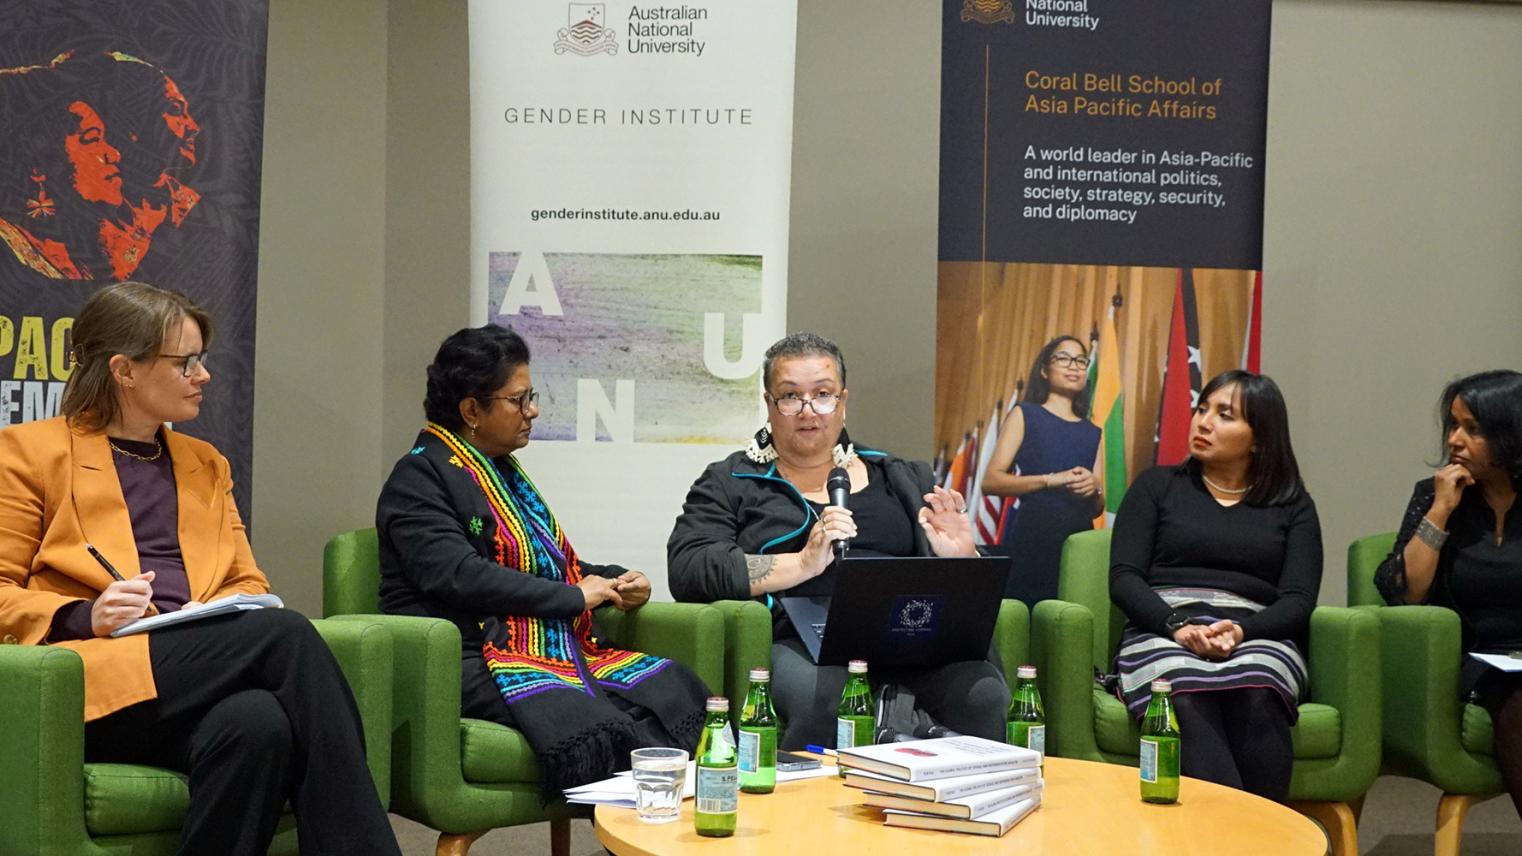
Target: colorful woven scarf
540, 665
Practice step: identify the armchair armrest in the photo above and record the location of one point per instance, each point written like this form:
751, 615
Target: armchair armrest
690, 633
1062, 648
1012, 638
1422, 652
1344, 670
42, 755
364, 653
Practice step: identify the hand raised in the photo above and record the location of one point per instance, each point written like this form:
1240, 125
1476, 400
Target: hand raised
946, 524
122, 603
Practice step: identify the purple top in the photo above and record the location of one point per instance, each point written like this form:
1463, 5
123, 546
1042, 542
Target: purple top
147, 479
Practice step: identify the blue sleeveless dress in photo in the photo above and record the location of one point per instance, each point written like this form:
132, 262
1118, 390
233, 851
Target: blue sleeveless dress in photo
1046, 518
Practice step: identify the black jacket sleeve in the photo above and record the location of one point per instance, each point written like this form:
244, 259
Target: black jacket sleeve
1390, 578
704, 561
416, 517
1131, 545
1299, 581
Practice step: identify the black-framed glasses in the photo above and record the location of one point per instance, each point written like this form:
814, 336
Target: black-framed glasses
522, 400
791, 405
1068, 361
188, 362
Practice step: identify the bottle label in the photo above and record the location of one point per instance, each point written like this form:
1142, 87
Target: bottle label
845, 733
718, 790
750, 751
1035, 738
1149, 760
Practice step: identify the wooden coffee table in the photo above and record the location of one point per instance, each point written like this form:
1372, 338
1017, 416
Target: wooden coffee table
1088, 808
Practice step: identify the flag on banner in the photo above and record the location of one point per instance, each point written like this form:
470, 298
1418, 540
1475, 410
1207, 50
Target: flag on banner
1181, 377
958, 466
984, 510
962, 469
1252, 343
1109, 413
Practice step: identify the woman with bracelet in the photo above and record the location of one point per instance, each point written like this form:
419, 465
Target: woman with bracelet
1046, 455
1217, 563
1460, 546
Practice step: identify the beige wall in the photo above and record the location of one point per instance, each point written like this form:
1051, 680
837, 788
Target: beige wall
1393, 208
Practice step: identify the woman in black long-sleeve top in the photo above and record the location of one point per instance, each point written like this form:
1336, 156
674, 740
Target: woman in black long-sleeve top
1460, 546
1217, 564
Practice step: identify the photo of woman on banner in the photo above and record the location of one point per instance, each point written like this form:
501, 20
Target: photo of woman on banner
759, 524
1046, 456
95, 166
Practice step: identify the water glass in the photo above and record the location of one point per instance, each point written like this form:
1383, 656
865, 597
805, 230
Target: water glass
659, 776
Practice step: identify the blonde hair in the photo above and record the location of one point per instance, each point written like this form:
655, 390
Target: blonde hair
132, 319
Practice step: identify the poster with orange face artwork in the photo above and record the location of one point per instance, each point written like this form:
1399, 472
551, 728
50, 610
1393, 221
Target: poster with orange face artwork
130, 138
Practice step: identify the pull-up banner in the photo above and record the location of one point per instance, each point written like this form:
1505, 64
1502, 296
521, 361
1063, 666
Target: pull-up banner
1101, 180
130, 141
630, 171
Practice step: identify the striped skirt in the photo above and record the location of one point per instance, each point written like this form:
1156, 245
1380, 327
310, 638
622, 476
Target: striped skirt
1144, 657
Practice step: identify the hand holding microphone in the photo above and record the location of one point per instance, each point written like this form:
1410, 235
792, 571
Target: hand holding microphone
838, 485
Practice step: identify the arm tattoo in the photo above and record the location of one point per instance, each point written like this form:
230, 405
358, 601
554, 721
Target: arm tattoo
758, 567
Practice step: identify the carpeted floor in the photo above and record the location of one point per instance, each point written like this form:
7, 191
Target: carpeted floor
1397, 821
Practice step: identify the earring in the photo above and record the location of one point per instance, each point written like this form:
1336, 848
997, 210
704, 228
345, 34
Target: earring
41, 206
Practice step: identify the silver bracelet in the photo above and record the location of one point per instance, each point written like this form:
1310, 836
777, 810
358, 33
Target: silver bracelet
1431, 535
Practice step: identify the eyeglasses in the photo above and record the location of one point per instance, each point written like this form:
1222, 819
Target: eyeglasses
522, 400
791, 405
188, 362
1068, 361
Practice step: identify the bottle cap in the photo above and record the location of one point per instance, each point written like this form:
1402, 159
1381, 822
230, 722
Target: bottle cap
857, 667
1026, 673
718, 703
1162, 685
760, 675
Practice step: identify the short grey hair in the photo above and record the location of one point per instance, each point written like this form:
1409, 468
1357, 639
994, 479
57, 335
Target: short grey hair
802, 344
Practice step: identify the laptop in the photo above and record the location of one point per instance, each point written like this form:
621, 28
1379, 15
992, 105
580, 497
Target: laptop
910, 611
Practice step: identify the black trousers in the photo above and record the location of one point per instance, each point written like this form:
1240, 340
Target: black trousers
1238, 738
968, 697
255, 710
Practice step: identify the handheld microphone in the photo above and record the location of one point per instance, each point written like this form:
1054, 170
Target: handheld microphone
839, 487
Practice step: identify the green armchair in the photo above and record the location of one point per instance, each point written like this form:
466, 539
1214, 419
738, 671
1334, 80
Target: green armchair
1337, 750
52, 803
1430, 733
465, 777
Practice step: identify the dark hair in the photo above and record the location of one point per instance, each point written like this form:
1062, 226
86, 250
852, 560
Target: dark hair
133, 319
472, 363
1495, 399
802, 344
1038, 388
1273, 476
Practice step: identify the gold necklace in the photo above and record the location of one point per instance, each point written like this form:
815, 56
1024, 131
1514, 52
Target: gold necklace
158, 451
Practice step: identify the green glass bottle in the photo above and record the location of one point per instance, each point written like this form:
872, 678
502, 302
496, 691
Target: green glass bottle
717, 803
1160, 747
1026, 723
853, 718
758, 736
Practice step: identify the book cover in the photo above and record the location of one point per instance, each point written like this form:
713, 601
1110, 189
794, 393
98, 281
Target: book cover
965, 808
943, 790
994, 824
939, 758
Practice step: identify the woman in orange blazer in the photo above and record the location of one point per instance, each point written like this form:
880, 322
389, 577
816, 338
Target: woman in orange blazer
239, 702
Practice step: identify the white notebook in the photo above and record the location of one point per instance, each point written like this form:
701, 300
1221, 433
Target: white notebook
220, 606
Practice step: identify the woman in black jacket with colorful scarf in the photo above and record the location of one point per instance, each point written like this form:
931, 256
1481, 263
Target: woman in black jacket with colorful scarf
465, 536
757, 524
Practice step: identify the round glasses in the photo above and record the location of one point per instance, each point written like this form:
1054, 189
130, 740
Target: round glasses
791, 405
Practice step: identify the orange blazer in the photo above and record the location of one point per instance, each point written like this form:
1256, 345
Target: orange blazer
58, 490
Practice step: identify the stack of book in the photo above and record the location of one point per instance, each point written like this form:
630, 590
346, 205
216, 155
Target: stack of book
960, 784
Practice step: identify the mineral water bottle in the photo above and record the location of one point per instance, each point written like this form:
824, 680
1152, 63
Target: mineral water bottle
1160, 747
1026, 723
853, 719
758, 736
717, 791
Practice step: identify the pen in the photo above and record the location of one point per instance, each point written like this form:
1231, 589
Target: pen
105, 564
819, 750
